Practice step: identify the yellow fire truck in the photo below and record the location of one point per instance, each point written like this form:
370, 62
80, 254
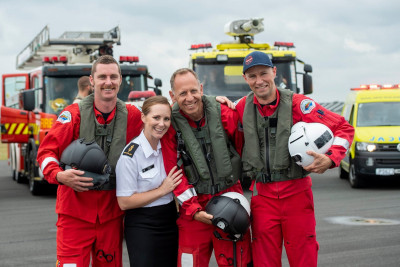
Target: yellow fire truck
32, 100
220, 69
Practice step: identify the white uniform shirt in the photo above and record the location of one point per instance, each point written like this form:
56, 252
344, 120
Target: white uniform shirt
142, 171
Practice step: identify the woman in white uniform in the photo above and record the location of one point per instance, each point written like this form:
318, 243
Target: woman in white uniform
144, 190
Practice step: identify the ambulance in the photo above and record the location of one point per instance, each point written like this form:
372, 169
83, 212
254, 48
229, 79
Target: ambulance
374, 112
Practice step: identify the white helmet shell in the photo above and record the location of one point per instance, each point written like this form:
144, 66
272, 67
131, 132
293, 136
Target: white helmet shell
242, 199
305, 137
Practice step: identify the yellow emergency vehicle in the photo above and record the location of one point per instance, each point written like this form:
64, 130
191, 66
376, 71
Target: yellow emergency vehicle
374, 112
220, 68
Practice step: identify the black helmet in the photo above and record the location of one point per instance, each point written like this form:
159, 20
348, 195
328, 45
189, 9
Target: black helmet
231, 212
88, 157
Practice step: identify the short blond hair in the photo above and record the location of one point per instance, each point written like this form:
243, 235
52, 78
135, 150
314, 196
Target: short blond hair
181, 72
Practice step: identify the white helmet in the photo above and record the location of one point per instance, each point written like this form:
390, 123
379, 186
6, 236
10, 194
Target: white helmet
304, 137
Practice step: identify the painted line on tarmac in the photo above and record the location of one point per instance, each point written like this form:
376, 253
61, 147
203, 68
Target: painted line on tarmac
353, 220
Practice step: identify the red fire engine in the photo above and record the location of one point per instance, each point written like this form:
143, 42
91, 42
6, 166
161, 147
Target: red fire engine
32, 100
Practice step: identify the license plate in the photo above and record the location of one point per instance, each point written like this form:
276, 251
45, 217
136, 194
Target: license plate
384, 171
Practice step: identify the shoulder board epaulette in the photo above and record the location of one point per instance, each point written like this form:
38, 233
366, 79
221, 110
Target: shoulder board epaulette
130, 150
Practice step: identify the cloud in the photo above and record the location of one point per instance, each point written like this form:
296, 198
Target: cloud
338, 38
358, 46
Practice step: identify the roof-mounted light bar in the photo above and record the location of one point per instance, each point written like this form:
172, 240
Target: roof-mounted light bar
128, 59
54, 59
284, 44
376, 87
200, 46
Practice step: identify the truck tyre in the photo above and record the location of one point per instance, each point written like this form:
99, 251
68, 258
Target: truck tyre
19, 177
355, 179
35, 187
342, 173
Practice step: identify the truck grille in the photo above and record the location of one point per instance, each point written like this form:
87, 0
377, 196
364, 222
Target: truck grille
387, 147
388, 161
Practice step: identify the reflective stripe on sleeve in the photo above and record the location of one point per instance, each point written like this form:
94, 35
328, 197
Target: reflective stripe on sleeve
188, 194
341, 142
47, 161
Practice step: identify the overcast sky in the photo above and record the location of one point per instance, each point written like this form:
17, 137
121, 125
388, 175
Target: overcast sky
348, 43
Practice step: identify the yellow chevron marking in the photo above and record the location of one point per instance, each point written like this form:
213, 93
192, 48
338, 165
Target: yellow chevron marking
20, 127
12, 127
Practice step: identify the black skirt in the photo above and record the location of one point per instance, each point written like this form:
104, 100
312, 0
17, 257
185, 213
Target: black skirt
152, 236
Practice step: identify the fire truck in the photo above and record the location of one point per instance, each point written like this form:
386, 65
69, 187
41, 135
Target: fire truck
33, 98
220, 69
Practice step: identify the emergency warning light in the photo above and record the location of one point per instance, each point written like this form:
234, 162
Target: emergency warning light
390, 86
128, 59
376, 87
200, 46
55, 59
284, 44
63, 59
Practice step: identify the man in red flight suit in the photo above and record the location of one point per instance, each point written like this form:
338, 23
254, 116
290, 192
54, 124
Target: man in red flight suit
282, 204
204, 123
90, 221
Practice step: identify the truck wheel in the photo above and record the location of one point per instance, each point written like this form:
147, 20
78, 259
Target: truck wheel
20, 178
35, 187
342, 173
355, 179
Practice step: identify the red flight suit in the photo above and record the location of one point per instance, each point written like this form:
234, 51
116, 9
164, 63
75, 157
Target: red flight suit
284, 211
88, 221
196, 239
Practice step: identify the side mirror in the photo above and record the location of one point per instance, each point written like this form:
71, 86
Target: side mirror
307, 68
157, 91
28, 99
307, 84
157, 82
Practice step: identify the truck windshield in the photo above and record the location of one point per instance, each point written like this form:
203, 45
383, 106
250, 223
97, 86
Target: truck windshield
378, 114
227, 80
61, 91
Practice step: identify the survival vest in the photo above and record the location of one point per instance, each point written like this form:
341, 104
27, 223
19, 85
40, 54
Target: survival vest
214, 163
265, 157
110, 137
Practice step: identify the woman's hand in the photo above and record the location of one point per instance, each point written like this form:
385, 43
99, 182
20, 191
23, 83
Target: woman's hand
171, 181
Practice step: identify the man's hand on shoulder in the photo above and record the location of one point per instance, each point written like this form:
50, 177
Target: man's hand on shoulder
73, 179
226, 101
203, 217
